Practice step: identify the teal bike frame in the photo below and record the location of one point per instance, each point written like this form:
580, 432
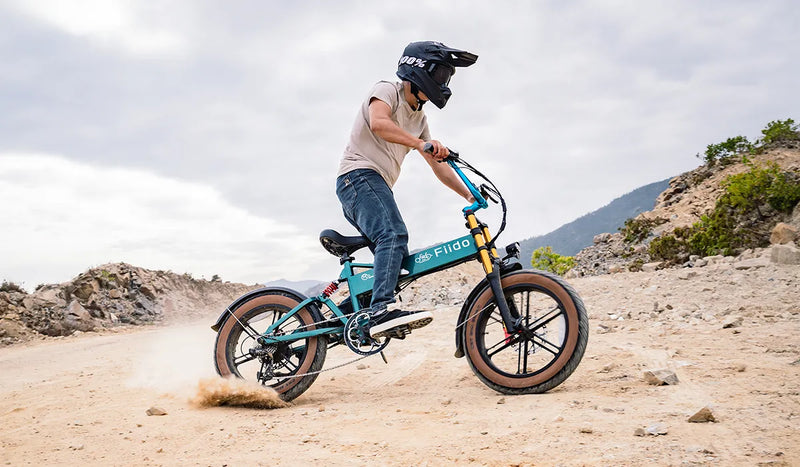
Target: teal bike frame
360, 278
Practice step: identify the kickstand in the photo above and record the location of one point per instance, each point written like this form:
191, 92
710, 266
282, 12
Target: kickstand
383, 356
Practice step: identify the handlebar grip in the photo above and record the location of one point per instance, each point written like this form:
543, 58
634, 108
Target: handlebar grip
452, 157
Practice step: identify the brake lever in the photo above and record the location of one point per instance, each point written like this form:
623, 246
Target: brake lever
487, 193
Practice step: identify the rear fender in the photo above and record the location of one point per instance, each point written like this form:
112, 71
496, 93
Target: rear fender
257, 293
482, 285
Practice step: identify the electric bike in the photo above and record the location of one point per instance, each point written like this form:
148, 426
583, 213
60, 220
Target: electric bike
522, 331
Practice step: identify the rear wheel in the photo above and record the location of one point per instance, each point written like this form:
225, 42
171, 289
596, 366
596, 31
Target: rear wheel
280, 366
548, 347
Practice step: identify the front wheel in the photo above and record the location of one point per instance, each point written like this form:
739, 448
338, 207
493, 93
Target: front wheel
289, 367
548, 347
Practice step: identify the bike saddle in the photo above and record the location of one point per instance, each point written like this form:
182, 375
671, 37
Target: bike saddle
340, 245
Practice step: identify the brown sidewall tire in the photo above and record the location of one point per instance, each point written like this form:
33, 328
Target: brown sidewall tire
472, 346
314, 344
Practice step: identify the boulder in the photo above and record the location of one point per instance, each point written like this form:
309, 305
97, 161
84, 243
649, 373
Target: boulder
78, 318
785, 254
783, 233
85, 290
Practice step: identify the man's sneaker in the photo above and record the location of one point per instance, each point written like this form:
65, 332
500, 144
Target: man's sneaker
391, 323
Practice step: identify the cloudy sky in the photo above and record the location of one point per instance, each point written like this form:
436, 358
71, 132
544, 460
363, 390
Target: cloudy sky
204, 136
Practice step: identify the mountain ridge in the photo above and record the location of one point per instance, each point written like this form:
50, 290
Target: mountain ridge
572, 237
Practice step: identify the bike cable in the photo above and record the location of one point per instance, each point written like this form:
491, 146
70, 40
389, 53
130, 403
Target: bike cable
472, 169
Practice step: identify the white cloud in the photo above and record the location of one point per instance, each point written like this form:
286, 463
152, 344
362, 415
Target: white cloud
117, 23
61, 217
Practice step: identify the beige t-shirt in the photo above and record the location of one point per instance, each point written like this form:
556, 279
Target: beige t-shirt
366, 150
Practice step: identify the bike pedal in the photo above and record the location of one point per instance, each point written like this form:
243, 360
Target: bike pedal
401, 332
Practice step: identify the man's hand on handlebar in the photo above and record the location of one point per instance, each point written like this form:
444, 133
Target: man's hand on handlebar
438, 150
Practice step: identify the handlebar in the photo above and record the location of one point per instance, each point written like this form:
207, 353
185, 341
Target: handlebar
480, 199
480, 194
453, 155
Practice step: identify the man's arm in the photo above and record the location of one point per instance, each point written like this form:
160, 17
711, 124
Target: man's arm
381, 123
448, 176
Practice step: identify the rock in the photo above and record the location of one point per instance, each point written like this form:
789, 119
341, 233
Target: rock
155, 411
639, 432
716, 259
651, 267
361, 366
586, 429
114, 293
732, 322
85, 290
752, 263
704, 415
502, 400
740, 367
656, 429
785, 254
660, 377
782, 234
686, 275
147, 292
77, 318
601, 238
603, 329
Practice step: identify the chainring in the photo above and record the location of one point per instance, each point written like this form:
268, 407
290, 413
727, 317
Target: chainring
357, 338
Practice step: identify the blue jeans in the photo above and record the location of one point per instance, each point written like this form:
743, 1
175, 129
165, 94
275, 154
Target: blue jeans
368, 203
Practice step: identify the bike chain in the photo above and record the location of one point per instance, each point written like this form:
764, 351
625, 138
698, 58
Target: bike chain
332, 368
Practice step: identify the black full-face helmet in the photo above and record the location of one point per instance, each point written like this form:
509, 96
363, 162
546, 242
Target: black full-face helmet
429, 65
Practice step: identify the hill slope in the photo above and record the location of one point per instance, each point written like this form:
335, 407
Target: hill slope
571, 238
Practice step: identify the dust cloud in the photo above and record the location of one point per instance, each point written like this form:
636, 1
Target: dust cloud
214, 392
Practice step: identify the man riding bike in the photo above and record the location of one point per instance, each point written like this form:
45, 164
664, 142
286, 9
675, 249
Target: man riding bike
389, 124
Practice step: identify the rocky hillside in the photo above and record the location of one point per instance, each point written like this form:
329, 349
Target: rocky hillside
110, 295
689, 196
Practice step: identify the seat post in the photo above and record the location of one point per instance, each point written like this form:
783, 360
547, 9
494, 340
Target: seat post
345, 258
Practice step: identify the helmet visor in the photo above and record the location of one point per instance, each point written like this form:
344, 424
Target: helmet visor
441, 73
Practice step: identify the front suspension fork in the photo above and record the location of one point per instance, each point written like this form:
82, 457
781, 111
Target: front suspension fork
510, 322
491, 266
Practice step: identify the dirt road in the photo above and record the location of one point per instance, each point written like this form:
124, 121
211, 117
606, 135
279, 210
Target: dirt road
82, 400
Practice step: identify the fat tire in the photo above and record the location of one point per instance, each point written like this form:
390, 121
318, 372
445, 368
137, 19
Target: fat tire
312, 360
561, 367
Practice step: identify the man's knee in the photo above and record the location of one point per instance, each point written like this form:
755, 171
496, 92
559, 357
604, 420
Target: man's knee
397, 236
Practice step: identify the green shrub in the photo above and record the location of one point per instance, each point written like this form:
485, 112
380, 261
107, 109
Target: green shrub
545, 259
637, 230
724, 152
784, 192
780, 131
667, 248
761, 186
